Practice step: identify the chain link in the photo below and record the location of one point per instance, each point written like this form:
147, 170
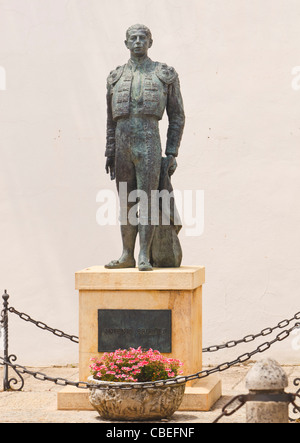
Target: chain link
245, 398
251, 337
43, 326
226, 412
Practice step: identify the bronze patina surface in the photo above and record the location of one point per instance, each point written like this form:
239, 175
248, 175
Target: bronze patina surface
138, 94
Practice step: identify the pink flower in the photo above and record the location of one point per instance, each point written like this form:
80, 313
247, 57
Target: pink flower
126, 364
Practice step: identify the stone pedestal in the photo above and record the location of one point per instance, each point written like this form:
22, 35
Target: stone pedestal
178, 290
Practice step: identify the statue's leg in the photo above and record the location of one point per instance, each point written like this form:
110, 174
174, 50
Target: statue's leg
147, 155
127, 260
126, 176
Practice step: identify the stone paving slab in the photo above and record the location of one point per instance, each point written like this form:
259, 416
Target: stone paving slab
37, 402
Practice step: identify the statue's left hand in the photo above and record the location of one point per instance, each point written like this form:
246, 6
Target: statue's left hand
173, 166
110, 167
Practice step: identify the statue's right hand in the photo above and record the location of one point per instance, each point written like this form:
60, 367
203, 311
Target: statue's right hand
110, 167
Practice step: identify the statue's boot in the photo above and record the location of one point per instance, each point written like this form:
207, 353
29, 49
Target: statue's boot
146, 236
145, 266
119, 264
128, 233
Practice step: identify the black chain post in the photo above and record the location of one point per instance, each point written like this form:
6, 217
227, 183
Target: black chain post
295, 403
4, 320
8, 359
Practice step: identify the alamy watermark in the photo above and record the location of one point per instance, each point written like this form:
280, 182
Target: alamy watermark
296, 79
177, 208
296, 339
2, 79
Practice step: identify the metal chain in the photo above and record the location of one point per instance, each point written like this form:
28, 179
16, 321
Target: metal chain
247, 339
251, 337
245, 398
241, 399
226, 412
43, 326
173, 381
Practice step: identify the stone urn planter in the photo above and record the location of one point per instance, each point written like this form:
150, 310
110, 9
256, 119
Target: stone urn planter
135, 404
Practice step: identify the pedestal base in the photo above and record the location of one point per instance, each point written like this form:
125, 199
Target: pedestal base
175, 291
202, 396
199, 398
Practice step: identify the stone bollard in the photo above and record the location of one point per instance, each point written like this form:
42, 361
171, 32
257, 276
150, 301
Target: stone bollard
267, 378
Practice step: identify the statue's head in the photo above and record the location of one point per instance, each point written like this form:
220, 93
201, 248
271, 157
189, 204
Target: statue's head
138, 40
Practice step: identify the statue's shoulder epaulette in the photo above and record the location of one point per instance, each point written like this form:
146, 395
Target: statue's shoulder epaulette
166, 73
115, 75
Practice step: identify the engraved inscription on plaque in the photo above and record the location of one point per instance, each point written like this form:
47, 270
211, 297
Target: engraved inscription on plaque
125, 328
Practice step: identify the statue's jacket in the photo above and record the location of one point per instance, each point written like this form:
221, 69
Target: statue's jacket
157, 89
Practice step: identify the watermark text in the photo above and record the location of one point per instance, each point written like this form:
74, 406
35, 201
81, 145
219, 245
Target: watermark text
296, 79
296, 339
177, 208
2, 79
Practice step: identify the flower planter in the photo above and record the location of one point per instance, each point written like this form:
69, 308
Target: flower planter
136, 404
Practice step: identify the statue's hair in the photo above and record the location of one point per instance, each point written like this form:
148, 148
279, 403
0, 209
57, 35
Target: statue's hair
139, 27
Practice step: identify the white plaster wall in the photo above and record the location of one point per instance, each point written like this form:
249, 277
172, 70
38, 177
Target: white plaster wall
241, 146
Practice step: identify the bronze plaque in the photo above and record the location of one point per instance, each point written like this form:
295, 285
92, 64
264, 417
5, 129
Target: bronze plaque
125, 328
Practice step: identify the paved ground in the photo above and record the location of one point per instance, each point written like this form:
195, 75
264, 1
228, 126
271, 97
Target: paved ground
37, 402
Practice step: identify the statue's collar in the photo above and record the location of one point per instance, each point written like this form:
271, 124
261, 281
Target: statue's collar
140, 64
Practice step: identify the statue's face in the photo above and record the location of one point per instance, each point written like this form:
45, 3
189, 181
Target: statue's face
138, 43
